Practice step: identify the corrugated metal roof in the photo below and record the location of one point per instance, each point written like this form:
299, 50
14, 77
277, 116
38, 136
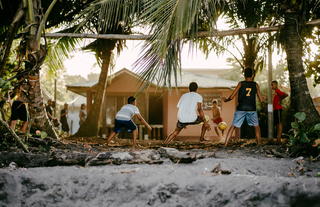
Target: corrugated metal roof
203, 81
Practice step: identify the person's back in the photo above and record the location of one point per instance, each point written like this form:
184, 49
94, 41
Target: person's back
247, 96
187, 107
127, 112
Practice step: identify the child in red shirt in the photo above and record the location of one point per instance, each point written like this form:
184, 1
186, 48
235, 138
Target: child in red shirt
277, 108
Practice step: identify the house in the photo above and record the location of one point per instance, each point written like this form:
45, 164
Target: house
158, 104
316, 102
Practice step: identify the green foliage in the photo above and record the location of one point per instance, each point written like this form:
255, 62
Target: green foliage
5, 85
303, 137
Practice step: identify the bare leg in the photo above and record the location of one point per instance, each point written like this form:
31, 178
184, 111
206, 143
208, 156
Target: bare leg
237, 134
172, 136
134, 137
279, 132
204, 128
13, 124
24, 127
258, 134
111, 136
222, 132
217, 131
229, 134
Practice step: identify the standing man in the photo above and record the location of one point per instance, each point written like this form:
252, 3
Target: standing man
190, 113
277, 108
246, 109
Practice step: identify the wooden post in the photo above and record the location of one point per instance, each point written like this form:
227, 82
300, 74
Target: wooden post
146, 96
55, 97
270, 106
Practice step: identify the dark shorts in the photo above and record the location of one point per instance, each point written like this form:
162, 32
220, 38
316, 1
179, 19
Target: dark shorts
277, 116
181, 125
121, 124
19, 111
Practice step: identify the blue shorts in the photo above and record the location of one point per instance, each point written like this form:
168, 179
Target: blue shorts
121, 124
250, 116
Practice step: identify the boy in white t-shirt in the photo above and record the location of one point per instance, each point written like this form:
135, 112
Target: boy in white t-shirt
123, 120
190, 113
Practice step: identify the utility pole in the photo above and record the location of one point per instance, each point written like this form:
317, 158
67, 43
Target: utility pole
55, 97
270, 106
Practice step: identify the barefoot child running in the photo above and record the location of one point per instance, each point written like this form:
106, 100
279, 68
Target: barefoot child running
246, 108
216, 117
124, 118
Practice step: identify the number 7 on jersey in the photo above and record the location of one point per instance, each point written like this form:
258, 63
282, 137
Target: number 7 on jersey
248, 90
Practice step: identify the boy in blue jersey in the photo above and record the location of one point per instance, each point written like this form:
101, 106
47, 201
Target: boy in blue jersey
123, 120
246, 108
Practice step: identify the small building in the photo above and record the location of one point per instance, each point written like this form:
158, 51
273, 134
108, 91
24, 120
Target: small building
158, 105
316, 102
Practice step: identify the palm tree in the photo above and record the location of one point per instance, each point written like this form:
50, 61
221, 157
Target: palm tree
253, 14
100, 17
30, 19
295, 14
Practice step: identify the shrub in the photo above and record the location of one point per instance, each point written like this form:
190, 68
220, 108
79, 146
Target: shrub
303, 139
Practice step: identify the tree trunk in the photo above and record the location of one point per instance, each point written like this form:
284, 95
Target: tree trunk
92, 124
35, 55
300, 96
7, 132
38, 116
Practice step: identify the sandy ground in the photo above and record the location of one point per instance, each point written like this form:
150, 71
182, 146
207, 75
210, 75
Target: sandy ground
255, 180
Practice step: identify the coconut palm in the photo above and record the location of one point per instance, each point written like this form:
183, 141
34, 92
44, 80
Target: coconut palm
28, 24
120, 21
293, 34
173, 21
245, 14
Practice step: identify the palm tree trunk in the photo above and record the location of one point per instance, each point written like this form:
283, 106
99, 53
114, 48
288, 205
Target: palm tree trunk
38, 116
92, 124
300, 96
35, 55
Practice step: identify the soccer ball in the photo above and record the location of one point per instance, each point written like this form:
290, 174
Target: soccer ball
222, 125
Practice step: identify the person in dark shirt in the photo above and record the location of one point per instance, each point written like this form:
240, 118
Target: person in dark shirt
19, 110
64, 118
49, 109
277, 108
246, 108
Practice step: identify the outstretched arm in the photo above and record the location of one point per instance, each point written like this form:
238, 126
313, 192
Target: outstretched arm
234, 93
281, 93
143, 121
259, 94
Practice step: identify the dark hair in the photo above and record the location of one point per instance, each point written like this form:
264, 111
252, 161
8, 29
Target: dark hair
131, 99
248, 72
215, 101
274, 81
193, 86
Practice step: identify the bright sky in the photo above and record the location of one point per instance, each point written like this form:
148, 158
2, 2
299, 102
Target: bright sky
84, 63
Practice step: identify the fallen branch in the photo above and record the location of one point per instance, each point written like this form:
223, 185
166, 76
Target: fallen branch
7, 129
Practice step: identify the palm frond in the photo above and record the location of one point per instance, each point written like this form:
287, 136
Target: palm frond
59, 50
113, 14
171, 22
